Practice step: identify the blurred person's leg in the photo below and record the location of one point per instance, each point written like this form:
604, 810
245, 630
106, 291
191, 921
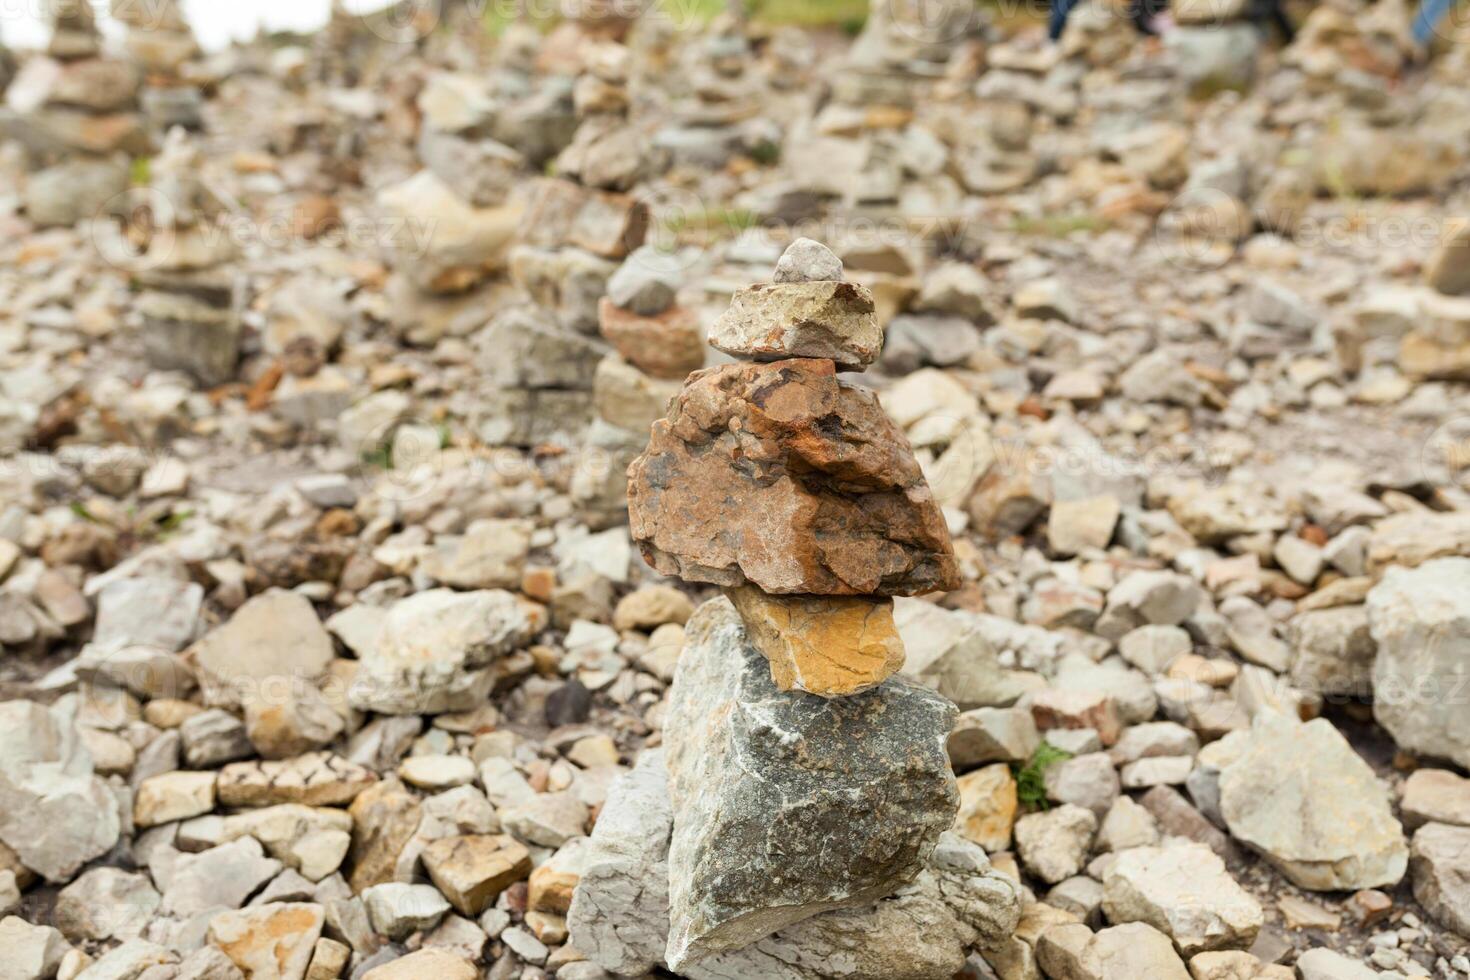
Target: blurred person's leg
1143, 13
1060, 11
1431, 13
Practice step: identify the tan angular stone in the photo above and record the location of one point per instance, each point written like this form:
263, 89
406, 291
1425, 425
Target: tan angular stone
328, 960
269, 941
774, 321
274, 639
173, 796
384, 818
562, 213
433, 962
828, 646
473, 870
988, 804
315, 779
1448, 270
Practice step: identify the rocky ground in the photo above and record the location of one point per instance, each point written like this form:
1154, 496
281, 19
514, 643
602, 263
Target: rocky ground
328, 650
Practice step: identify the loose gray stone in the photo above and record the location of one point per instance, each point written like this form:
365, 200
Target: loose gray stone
1183, 890
807, 260
788, 805
1054, 844
1436, 796
1301, 796
1333, 652
435, 650
1089, 781
54, 812
647, 281
106, 903
1324, 964
30, 952
213, 738
398, 909
220, 878
620, 910
988, 735
1421, 677
1440, 861
272, 639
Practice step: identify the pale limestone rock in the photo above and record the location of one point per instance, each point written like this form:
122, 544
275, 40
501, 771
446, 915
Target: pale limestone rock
1301, 796
1183, 890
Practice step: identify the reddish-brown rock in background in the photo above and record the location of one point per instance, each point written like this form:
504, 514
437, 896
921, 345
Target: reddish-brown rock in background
665, 345
782, 476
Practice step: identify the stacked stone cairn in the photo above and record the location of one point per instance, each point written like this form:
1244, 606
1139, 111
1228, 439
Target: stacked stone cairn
572, 238
905, 46
161, 43
450, 225
74, 111
192, 293
578, 226
721, 115
808, 791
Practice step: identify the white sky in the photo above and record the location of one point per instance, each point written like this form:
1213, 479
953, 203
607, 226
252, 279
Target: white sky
217, 22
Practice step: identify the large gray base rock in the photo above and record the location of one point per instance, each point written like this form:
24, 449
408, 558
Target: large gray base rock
620, 915
1301, 796
1421, 677
789, 805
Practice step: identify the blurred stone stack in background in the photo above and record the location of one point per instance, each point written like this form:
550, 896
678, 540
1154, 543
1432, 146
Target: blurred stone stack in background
448, 227
1216, 44
723, 113
192, 295
656, 343
573, 236
75, 113
161, 43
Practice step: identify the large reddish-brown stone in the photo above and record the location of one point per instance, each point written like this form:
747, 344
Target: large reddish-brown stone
780, 475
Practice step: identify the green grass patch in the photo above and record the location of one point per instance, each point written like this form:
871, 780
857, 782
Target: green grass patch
1060, 225
846, 15
709, 223
380, 457
1031, 778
